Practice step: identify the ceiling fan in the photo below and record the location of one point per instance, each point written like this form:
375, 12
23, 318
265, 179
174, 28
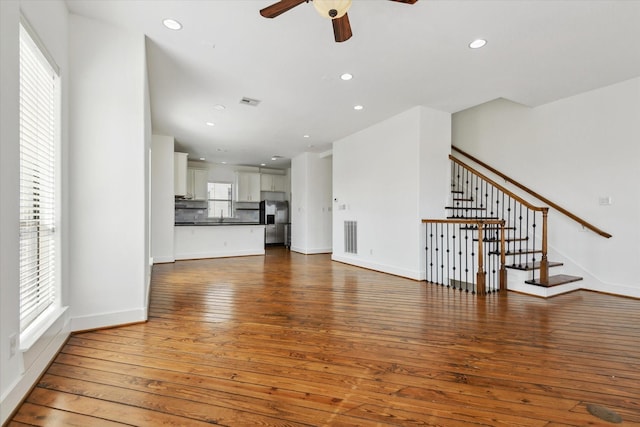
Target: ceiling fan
336, 10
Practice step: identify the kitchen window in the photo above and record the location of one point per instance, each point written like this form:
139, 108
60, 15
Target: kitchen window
39, 135
220, 199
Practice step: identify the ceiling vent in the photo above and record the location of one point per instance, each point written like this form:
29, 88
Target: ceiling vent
249, 101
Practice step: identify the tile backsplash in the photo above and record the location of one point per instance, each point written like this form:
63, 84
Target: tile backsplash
191, 210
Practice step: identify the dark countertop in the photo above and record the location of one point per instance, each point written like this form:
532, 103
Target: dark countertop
216, 223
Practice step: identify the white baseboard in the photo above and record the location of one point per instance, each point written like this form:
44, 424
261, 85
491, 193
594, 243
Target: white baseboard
218, 254
383, 268
608, 288
311, 251
163, 259
107, 320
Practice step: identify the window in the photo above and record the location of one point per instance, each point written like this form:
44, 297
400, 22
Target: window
220, 199
39, 142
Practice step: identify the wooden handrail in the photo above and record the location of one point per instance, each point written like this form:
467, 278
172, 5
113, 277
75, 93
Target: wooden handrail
533, 193
498, 186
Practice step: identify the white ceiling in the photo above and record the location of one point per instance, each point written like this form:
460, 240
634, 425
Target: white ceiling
400, 55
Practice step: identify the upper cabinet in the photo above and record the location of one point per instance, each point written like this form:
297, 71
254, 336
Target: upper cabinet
197, 180
247, 187
270, 182
180, 174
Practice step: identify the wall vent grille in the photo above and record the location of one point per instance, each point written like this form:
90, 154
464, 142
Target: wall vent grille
351, 237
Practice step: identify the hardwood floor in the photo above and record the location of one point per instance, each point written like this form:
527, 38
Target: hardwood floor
293, 340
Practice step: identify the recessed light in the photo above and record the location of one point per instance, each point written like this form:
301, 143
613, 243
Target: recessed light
346, 76
219, 107
210, 124
172, 24
224, 163
358, 107
477, 44
263, 164
202, 158
305, 136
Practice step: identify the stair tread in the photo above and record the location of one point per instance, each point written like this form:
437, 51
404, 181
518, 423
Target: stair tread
469, 208
520, 239
556, 280
533, 266
537, 251
462, 200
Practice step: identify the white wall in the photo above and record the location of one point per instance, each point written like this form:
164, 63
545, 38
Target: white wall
377, 177
573, 151
311, 203
49, 20
108, 175
162, 199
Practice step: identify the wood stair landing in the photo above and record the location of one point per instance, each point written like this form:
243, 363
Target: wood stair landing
557, 280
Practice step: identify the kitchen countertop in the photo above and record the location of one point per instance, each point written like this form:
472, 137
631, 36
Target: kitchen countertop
216, 223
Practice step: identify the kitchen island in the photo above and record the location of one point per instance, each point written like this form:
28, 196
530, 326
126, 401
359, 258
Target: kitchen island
197, 240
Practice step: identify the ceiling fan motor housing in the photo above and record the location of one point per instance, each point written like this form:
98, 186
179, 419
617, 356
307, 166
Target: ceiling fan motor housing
332, 9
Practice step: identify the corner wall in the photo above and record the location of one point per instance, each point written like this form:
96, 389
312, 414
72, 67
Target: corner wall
108, 175
379, 180
310, 206
574, 151
162, 199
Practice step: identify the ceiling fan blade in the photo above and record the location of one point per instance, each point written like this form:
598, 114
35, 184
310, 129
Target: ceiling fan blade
280, 7
341, 28
405, 1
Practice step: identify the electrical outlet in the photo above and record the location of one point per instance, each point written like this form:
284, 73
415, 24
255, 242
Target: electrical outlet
13, 344
605, 200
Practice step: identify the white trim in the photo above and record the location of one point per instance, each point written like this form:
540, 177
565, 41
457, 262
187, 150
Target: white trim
312, 251
35, 362
163, 259
402, 272
107, 320
40, 326
219, 254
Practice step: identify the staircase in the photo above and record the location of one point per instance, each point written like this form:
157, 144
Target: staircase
474, 196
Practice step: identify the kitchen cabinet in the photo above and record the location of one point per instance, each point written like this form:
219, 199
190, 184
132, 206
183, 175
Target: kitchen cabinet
247, 187
180, 174
197, 180
270, 182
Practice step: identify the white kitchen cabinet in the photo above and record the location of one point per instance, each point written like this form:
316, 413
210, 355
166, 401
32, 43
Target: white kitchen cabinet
180, 174
271, 182
197, 180
247, 187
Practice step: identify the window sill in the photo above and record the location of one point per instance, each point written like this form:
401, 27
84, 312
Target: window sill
37, 329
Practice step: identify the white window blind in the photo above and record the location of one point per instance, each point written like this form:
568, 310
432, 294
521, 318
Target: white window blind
39, 109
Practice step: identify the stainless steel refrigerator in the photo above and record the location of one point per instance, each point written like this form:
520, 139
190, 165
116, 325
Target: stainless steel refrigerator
274, 215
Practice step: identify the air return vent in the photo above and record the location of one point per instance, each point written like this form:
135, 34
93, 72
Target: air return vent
351, 237
249, 101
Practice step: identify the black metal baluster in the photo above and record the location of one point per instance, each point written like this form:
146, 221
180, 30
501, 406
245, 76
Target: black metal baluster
472, 266
453, 257
534, 229
522, 254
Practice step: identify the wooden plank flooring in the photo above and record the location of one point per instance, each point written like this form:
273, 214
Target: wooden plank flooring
294, 340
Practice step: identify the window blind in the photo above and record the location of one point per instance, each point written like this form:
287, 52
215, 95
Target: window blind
38, 126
